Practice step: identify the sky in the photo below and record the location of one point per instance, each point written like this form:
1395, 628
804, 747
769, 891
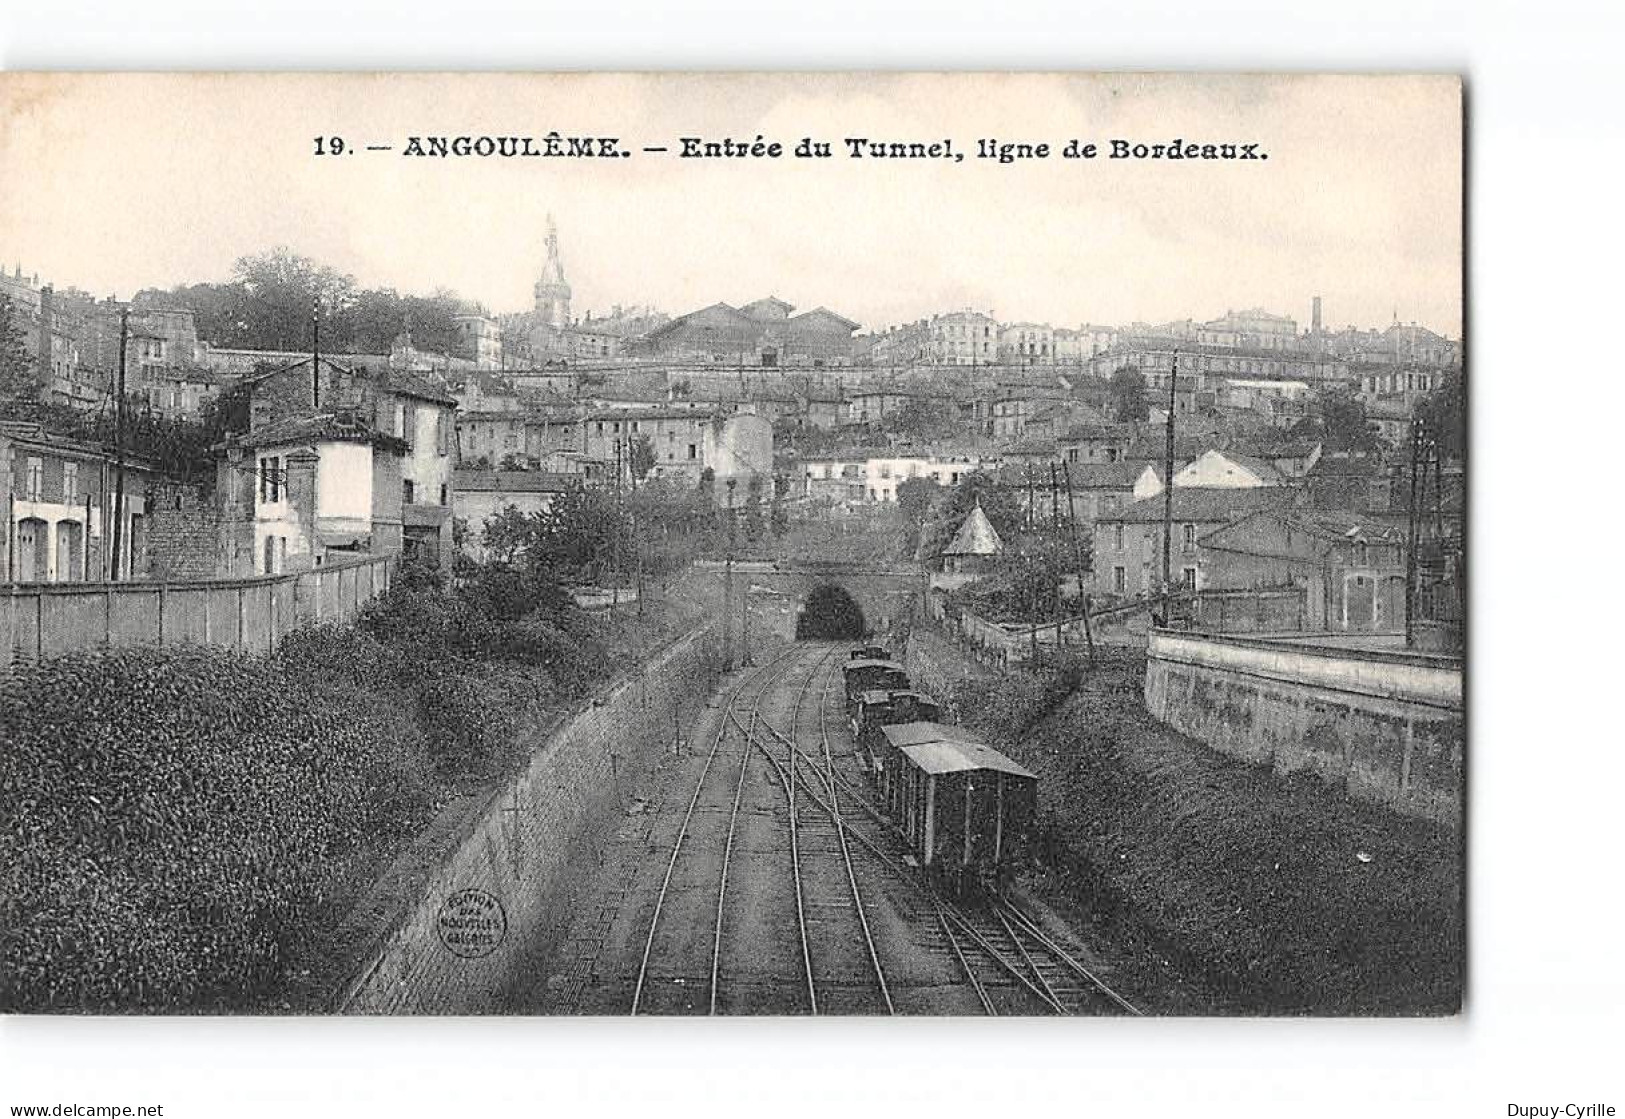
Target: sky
112, 183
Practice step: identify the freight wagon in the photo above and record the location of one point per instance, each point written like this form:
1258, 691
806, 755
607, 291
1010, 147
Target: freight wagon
965, 809
868, 674
878, 708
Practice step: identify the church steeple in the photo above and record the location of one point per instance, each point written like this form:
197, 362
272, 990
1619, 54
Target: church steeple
552, 290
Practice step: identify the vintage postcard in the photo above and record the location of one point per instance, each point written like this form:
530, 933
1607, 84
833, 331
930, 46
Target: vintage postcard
737, 544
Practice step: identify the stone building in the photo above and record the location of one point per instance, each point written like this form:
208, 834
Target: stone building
686, 443
60, 500
974, 548
353, 460
1027, 343
761, 333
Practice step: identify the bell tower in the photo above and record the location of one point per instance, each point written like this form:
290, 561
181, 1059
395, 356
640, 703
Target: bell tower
552, 290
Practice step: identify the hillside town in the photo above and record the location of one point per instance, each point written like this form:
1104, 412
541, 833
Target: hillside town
1235, 472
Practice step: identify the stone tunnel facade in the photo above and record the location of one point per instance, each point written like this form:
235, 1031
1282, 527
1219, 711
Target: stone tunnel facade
890, 599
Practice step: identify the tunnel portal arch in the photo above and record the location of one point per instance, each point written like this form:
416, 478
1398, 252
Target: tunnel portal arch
830, 613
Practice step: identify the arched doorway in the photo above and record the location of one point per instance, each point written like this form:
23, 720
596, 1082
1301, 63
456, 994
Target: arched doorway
830, 614
70, 552
33, 550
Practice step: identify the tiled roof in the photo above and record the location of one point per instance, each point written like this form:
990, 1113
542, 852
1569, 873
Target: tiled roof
326, 427
514, 481
1105, 475
415, 385
1215, 506
976, 537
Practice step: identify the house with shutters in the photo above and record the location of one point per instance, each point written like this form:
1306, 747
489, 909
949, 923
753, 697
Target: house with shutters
1350, 568
339, 459
60, 499
1128, 540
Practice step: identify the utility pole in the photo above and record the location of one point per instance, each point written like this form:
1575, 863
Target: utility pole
315, 354
1168, 498
1077, 559
615, 541
118, 441
744, 624
1055, 528
1411, 523
727, 614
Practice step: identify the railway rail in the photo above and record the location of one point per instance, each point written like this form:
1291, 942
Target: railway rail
837, 836
764, 676
996, 944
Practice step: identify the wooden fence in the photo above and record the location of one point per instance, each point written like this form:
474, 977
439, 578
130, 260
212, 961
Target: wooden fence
47, 619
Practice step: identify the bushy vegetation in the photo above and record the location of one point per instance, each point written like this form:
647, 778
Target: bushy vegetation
168, 818
176, 823
1284, 896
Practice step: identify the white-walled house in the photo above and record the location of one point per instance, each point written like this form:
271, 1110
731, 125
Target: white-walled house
307, 490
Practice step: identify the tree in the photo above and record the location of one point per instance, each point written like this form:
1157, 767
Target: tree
1445, 412
268, 302
19, 375
581, 532
640, 457
282, 288
753, 509
1126, 393
1001, 506
1024, 584
1343, 424
507, 532
915, 499
923, 419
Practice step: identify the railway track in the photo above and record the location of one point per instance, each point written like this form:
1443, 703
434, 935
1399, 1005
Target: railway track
1010, 963
808, 944
854, 978
762, 679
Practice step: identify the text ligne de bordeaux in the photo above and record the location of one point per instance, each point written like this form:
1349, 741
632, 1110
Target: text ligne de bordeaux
557, 146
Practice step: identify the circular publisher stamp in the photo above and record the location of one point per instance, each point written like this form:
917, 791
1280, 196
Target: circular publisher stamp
472, 923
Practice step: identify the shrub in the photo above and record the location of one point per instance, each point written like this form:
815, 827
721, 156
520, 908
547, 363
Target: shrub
168, 816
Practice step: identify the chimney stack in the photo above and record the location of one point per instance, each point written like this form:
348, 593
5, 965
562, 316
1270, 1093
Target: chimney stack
1315, 316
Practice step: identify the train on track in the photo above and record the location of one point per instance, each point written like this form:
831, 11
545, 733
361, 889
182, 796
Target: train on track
965, 809
867, 674
882, 707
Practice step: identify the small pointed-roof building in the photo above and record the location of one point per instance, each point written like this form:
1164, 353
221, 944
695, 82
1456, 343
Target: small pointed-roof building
974, 547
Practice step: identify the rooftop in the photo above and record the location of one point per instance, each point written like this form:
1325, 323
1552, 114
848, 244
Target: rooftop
1191, 504
939, 748
976, 537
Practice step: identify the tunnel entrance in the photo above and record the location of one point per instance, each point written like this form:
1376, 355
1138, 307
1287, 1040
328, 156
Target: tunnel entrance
830, 614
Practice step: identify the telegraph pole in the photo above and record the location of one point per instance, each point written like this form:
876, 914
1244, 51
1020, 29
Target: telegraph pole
615, 588
1410, 537
1168, 498
1055, 527
1077, 554
315, 354
118, 441
727, 614
744, 624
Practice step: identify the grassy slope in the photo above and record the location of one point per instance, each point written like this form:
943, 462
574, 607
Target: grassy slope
1252, 882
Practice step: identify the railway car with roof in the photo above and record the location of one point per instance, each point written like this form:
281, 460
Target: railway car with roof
882, 707
869, 674
966, 810
871, 652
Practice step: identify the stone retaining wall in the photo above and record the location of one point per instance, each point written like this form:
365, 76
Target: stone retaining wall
502, 893
1386, 726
